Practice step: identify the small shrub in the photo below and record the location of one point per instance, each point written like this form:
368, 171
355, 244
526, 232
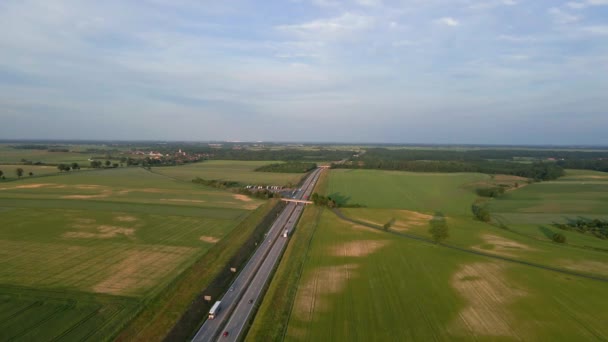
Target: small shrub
559, 238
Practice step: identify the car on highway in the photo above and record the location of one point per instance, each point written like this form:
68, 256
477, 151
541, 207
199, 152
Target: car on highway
231, 288
225, 334
250, 301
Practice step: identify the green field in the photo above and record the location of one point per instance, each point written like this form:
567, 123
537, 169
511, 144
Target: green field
10, 155
231, 170
81, 253
449, 193
533, 209
360, 283
10, 171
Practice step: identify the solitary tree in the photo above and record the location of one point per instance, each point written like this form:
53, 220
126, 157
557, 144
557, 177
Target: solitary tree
19, 172
31, 173
108, 163
1, 173
75, 166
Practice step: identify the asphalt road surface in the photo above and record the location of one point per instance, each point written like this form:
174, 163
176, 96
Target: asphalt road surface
236, 307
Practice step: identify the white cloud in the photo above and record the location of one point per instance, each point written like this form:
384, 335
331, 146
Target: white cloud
449, 21
480, 5
563, 17
587, 3
326, 3
597, 29
369, 3
332, 28
517, 39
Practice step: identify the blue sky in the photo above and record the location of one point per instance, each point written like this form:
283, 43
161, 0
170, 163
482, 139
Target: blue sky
426, 71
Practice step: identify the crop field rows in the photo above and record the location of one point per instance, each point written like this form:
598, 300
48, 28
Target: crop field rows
80, 253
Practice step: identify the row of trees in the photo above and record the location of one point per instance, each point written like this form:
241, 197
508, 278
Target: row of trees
535, 171
481, 213
595, 227
18, 171
492, 192
96, 164
216, 183
68, 167
324, 201
290, 167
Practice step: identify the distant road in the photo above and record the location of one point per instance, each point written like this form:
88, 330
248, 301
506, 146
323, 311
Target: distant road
238, 303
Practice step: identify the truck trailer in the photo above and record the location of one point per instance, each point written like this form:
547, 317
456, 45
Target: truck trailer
215, 309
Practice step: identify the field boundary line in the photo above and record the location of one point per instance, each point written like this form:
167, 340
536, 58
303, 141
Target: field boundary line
341, 215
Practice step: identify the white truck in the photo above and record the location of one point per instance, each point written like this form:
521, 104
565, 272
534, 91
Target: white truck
215, 309
286, 233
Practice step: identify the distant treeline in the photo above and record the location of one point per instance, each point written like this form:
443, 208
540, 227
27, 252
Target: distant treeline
291, 167
30, 147
485, 154
597, 228
537, 171
41, 147
288, 154
585, 164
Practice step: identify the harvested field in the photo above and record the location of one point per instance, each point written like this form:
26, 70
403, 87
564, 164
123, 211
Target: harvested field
93, 250
360, 248
484, 287
322, 282
140, 270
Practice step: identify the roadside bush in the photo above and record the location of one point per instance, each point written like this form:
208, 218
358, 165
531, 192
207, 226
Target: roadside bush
559, 238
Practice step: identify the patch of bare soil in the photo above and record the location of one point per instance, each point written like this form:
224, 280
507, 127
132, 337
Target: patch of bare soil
412, 219
182, 200
141, 270
103, 232
103, 194
209, 239
33, 186
488, 294
587, 266
126, 218
323, 281
502, 246
358, 248
88, 186
242, 198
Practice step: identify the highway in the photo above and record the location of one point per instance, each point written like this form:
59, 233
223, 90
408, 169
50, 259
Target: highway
236, 307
